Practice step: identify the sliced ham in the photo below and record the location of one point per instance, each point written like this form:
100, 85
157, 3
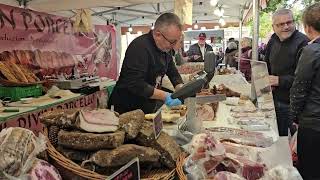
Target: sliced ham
205, 112
101, 120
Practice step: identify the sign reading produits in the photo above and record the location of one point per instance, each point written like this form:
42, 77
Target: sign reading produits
130, 171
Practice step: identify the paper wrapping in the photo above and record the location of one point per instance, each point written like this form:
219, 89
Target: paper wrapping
183, 9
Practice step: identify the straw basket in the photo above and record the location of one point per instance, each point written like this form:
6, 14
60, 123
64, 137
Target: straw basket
180, 162
67, 166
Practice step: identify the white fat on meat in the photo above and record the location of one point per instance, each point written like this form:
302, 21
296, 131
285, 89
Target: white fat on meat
101, 120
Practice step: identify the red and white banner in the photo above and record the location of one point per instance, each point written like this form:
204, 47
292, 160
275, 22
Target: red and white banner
47, 44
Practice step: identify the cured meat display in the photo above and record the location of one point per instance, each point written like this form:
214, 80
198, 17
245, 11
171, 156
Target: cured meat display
167, 146
124, 154
18, 148
60, 118
225, 175
42, 170
206, 112
239, 136
101, 120
219, 89
131, 122
90, 141
209, 157
105, 151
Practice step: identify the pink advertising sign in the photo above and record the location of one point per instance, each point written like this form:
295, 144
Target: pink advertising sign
48, 44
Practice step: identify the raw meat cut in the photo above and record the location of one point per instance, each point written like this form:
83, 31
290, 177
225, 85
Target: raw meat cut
90, 141
206, 154
42, 170
101, 120
131, 122
236, 164
225, 175
123, 154
243, 151
167, 146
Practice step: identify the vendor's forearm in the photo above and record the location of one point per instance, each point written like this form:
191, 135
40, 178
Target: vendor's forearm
159, 94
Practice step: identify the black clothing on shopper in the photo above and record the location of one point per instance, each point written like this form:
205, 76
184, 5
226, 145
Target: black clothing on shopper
305, 107
308, 148
282, 58
305, 91
143, 68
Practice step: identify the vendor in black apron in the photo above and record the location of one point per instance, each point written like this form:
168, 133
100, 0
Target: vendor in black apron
146, 62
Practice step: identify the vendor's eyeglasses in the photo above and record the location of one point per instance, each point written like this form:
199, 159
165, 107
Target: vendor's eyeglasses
282, 25
172, 43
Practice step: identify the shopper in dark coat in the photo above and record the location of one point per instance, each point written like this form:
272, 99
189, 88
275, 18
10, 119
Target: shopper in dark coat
197, 51
229, 57
282, 54
305, 97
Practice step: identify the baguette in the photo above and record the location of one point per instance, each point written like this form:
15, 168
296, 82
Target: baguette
7, 73
17, 72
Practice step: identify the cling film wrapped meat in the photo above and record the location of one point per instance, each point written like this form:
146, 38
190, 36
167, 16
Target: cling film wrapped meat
206, 154
18, 150
239, 136
208, 157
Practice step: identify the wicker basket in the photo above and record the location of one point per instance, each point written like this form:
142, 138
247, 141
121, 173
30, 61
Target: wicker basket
65, 164
180, 162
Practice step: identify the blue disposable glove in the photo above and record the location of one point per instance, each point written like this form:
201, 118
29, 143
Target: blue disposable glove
172, 102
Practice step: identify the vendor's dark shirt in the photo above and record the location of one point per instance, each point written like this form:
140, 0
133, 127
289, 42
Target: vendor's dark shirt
143, 65
282, 59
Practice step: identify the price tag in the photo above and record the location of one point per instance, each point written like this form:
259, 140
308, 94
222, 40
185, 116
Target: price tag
130, 171
157, 124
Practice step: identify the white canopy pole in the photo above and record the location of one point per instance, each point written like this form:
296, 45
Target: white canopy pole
255, 29
240, 37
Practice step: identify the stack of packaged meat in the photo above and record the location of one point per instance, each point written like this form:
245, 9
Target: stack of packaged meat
239, 136
103, 141
208, 157
18, 150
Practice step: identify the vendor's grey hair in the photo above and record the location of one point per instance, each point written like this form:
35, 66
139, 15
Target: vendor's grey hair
167, 19
281, 12
232, 45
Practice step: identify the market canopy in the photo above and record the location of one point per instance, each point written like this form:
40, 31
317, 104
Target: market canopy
140, 12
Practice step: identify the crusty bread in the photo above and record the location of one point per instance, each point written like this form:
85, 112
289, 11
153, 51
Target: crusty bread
16, 71
7, 73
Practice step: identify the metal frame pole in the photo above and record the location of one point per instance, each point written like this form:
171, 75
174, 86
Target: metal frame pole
240, 37
255, 29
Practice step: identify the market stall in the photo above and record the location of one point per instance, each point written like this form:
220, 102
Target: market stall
226, 130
